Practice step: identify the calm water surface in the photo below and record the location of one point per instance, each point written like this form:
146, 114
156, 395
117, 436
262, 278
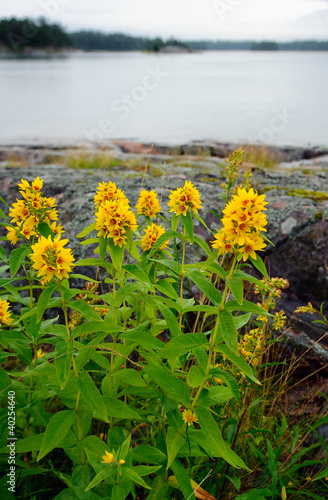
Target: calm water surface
278, 98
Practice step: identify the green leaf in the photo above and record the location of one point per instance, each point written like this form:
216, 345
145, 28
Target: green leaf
171, 264
117, 409
146, 453
214, 395
202, 222
93, 327
246, 306
170, 319
64, 356
86, 386
228, 330
118, 493
183, 480
174, 222
30, 443
239, 361
87, 230
174, 443
188, 225
146, 470
56, 430
175, 388
17, 258
241, 320
116, 254
163, 239
84, 309
236, 286
141, 336
196, 377
236, 481
200, 242
131, 474
83, 277
206, 287
159, 489
138, 273
3, 256
102, 247
45, 230
131, 377
214, 439
179, 346
166, 288
5, 381
259, 264
43, 301
104, 473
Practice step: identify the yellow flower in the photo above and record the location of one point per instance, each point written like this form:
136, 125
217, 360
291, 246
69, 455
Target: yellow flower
39, 353
185, 199
12, 235
112, 220
28, 228
109, 192
253, 242
120, 462
308, 478
222, 242
58, 230
19, 211
37, 184
189, 417
51, 258
279, 320
152, 233
148, 203
108, 458
5, 317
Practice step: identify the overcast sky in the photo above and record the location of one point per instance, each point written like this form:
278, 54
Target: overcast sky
187, 19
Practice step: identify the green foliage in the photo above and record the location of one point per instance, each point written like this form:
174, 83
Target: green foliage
134, 390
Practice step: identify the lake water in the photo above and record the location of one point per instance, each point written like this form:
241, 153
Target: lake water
276, 98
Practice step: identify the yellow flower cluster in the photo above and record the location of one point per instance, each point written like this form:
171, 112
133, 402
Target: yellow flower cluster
26, 214
243, 222
109, 192
279, 320
250, 345
185, 199
5, 318
148, 204
152, 233
50, 258
113, 215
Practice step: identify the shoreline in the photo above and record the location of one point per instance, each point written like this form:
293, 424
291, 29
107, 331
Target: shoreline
35, 151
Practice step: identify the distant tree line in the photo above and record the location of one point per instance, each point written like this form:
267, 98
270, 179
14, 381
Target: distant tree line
20, 34
96, 40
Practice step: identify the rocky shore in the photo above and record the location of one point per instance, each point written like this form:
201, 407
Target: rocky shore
296, 189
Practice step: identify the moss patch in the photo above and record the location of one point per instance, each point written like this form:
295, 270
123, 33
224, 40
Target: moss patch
301, 193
